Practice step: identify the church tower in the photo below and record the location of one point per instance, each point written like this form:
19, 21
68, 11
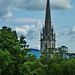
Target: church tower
47, 36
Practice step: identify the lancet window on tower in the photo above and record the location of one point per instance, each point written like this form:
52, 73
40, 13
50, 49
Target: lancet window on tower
46, 34
45, 45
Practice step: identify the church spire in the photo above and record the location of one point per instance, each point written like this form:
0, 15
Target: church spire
48, 16
47, 35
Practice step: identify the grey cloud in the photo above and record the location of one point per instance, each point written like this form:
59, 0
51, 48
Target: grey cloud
69, 33
5, 3
33, 5
40, 5
60, 4
4, 7
3, 12
37, 5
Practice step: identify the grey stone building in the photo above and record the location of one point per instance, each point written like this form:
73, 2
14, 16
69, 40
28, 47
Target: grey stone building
47, 34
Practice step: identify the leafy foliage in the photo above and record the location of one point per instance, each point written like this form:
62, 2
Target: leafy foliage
14, 59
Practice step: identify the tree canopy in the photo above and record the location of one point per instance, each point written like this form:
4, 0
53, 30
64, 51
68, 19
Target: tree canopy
15, 60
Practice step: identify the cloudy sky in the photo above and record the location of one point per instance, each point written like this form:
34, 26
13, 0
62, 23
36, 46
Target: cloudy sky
27, 18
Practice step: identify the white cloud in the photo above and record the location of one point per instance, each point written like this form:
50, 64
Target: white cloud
35, 46
29, 31
25, 20
23, 30
9, 15
21, 21
73, 29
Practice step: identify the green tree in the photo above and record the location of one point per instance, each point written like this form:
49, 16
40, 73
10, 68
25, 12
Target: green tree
8, 38
23, 43
9, 41
63, 50
68, 67
55, 69
14, 59
37, 68
5, 60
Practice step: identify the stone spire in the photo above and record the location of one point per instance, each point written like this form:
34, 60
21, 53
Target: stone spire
47, 36
48, 16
